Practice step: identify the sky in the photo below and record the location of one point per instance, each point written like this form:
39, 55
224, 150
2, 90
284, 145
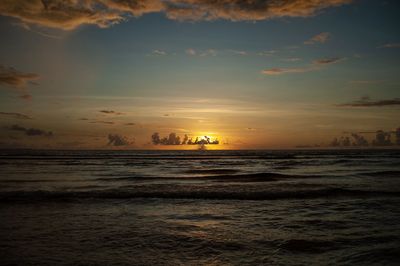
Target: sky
108, 74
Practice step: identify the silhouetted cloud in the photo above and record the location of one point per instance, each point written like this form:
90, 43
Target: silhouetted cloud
70, 14
356, 139
102, 122
323, 37
118, 140
328, 61
130, 124
173, 139
110, 112
359, 140
31, 131
15, 79
314, 66
382, 139
15, 115
367, 102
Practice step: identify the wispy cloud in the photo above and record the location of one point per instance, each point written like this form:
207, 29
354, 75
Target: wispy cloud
323, 37
191, 51
280, 71
390, 45
202, 53
68, 15
102, 122
110, 112
158, 52
239, 52
15, 79
328, 61
366, 81
314, 66
292, 59
367, 102
15, 115
31, 131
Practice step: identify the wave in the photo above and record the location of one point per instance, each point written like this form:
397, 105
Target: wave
194, 194
215, 175
389, 173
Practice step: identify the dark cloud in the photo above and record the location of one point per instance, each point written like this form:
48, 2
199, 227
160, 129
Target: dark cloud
382, 139
327, 61
13, 78
70, 14
173, 139
356, 139
118, 140
31, 131
367, 102
15, 115
102, 122
359, 140
110, 112
129, 124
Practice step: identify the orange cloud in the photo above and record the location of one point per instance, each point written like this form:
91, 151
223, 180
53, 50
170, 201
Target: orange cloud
316, 65
13, 78
323, 37
70, 14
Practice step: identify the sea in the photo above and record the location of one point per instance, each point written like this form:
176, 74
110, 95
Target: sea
202, 207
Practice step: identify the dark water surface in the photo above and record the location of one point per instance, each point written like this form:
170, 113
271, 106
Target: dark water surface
200, 207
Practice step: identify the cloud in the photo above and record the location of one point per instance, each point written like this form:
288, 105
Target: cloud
15, 79
328, 61
390, 45
31, 131
382, 139
190, 51
359, 140
118, 140
129, 124
292, 59
236, 10
15, 115
239, 52
314, 66
173, 139
280, 71
70, 14
103, 122
110, 112
158, 52
366, 81
323, 37
26, 96
367, 102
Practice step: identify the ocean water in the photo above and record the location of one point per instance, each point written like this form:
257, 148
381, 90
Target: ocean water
332, 207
